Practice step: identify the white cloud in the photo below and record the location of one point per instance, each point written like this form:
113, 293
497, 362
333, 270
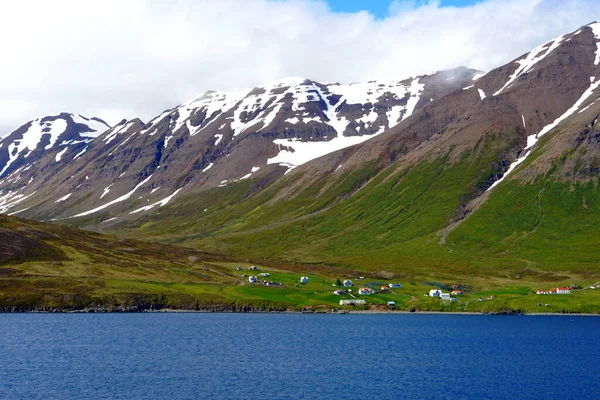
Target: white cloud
124, 59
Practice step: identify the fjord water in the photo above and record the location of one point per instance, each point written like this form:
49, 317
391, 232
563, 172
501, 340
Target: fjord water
293, 356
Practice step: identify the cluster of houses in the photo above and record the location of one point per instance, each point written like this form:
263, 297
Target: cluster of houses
260, 278
365, 291
254, 279
558, 290
348, 283
444, 296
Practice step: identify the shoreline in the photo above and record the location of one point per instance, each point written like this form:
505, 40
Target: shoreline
341, 312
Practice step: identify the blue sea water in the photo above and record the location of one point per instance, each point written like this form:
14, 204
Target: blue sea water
297, 356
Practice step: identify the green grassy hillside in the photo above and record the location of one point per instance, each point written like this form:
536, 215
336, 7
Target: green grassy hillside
392, 219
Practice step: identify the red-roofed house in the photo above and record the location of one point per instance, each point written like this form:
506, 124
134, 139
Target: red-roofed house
563, 290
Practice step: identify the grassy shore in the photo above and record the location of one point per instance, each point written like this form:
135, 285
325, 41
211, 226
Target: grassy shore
220, 286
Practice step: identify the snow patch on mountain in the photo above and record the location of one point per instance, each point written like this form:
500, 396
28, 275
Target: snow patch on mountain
64, 198
11, 199
531, 59
296, 152
533, 139
117, 130
80, 153
32, 137
96, 127
60, 154
596, 29
126, 196
106, 190
161, 203
210, 103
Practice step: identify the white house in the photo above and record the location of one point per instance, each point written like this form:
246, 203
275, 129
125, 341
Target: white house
348, 283
395, 286
239, 268
365, 291
253, 268
304, 279
435, 293
252, 279
563, 290
391, 303
352, 302
264, 274
445, 296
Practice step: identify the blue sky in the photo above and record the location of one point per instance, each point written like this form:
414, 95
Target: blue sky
380, 8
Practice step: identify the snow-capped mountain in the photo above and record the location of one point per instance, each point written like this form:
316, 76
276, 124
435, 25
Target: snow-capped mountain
217, 139
319, 130
58, 135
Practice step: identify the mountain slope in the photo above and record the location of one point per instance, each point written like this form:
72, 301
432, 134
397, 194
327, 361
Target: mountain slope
51, 268
485, 179
215, 140
420, 195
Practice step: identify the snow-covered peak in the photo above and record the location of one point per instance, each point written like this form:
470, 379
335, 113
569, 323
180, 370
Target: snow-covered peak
210, 103
96, 126
47, 133
528, 61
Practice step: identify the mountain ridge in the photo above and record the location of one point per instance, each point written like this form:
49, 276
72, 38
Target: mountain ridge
201, 173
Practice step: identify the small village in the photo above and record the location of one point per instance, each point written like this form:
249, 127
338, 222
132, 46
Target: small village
353, 296
315, 293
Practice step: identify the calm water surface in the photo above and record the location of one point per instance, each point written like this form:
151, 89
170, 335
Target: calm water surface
277, 356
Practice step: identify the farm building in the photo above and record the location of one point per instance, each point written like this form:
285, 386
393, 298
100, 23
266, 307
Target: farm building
239, 268
456, 292
435, 293
264, 274
385, 289
253, 268
559, 290
365, 291
347, 283
445, 296
339, 292
252, 279
395, 286
352, 302
391, 303
304, 279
